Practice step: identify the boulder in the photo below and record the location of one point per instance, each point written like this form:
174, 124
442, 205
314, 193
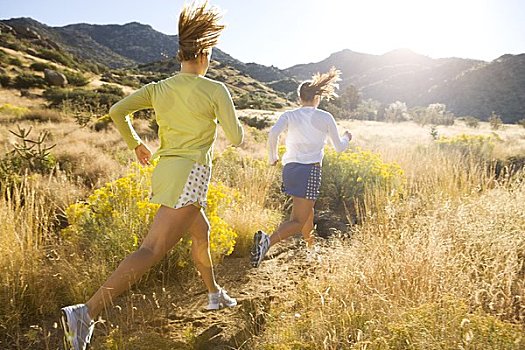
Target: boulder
4, 29
55, 78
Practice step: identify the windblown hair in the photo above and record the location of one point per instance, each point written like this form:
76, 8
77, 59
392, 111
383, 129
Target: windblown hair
323, 85
199, 30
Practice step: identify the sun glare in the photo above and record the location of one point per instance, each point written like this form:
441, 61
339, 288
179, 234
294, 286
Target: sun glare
433, 27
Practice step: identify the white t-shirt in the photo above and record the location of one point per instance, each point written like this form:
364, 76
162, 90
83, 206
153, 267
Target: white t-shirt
308, 130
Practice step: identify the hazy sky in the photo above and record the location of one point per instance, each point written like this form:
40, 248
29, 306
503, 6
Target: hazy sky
288, 32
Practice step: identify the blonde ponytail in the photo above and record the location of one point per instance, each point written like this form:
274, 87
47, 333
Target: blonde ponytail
199, 30
323, 85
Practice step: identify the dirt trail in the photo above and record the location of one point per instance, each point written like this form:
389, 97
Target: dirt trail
254, 289
185, 325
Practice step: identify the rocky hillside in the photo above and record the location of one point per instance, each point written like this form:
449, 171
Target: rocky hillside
93, 51
467, 87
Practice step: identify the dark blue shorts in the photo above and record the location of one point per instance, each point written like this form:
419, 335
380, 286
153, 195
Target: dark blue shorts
302, 180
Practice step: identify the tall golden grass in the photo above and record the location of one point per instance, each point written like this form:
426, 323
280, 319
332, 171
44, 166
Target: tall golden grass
442, 268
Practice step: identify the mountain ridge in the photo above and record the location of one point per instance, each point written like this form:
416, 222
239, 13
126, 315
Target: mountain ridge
466, 86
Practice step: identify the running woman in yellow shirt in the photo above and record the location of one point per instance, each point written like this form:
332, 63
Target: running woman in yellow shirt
188, 107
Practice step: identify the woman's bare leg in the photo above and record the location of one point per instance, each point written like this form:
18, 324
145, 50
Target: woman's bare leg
308, 228
301, 211
200, 251
166, 230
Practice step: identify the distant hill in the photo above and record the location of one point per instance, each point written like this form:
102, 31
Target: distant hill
83, 48
466, 86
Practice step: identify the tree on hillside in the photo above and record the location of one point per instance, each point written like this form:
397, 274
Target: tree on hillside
368, 110
495, 121
396, 112
435, 113
344, 106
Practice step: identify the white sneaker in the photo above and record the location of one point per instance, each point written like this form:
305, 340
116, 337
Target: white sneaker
78, 327
261, 244
219, 300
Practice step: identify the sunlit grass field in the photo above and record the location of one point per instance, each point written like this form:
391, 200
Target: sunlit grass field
433, 257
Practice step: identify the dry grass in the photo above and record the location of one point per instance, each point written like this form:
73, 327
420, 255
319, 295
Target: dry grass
13, 97
448, 276
439, 268
391, 139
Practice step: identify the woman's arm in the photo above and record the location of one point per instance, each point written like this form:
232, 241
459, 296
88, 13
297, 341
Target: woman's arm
225, 113
120, 114
340, 143
273, 138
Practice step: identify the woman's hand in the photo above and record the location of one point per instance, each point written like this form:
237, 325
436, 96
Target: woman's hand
348, 134
143, 154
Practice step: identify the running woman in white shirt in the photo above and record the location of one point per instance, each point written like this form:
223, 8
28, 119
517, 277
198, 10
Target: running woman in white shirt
308, 130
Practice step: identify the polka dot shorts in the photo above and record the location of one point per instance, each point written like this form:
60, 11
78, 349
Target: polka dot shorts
313, 183
302, 180
196, 188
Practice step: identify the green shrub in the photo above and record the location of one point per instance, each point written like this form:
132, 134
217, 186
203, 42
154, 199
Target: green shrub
27, 81
123, 79
28, 155
258, 122
254, 101
5, 80
81, 100
75, 78
347, 176
472, 122
15, 62
396, 112
111, 89
435, 114
41, 66
56, 56
495, 121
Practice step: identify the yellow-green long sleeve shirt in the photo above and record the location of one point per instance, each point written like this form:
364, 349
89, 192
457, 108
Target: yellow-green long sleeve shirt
187, 109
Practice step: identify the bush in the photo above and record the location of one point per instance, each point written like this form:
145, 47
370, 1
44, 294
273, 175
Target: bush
470, 146
56, 56
396, 112
367, 110
254, 101
521, 122
349, 175
15, 62
495, 121
5, 80
9, 109
82, 100
27, 81
75, 78
3, 57
472, 122
435, 114
41, 66
111, 89
28, 155
114, 219
258, 122
123, 79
